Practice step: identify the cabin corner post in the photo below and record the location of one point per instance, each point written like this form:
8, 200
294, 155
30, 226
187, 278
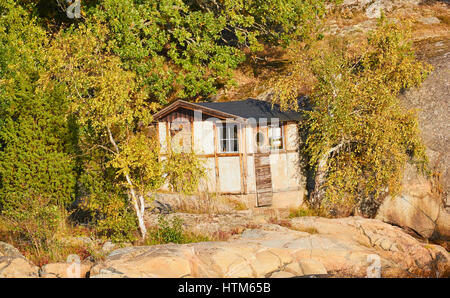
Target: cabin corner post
216, 160
244, 155
241, 149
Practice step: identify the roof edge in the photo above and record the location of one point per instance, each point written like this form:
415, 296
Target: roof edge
184, 104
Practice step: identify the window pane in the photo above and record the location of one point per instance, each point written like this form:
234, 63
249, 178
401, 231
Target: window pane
276, 137
219, 132
223, 145
276, 132
235, 145
228, 138
259, 139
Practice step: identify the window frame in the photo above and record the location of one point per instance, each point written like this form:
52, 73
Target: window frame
230, 141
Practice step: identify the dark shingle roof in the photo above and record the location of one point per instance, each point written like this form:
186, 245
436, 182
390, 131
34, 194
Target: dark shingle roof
252, 108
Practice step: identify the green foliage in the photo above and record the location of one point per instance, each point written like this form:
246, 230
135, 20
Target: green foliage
186, 49
359, 135
139, 158
171, 231
35, 221
183, 171
107, 205
32, 161
37, 176
303, 211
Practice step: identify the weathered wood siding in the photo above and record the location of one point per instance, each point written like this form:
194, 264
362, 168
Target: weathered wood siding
263, 176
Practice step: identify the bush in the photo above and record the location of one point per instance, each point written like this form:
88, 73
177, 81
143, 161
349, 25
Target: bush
108, 208
37, 177
184, 171
35, 221
304, 211
171, 231
359, 137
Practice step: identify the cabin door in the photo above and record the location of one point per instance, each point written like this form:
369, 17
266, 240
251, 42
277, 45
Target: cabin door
264, 192
263, 175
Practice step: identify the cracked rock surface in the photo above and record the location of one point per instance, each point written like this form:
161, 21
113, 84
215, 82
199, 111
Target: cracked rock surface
13, 264
346, 247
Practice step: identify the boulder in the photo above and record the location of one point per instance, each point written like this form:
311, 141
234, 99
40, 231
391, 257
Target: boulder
13, 264
417, 208
282, 274
7, 250
373, 8
347, 247
429, 20
65, 270
108, 246
312, 267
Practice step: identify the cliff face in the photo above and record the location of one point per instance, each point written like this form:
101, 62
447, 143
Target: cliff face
424, 205
432, 101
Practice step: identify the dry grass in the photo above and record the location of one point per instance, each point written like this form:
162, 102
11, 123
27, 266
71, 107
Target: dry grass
236, 204
281, 222
225, 235
57, 249
437, 181
207, 203
253, 76
304, 211
287, 224
203, 203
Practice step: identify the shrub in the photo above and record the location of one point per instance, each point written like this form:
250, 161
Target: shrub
304, 211
184, 171
35, 221
171, 231
108, 208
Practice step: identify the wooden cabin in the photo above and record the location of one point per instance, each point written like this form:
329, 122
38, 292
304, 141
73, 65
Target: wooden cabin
250, 148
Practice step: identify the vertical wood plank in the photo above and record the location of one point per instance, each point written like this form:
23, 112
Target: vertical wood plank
216, 161
240, 149
168, 143
244, 155
192, 134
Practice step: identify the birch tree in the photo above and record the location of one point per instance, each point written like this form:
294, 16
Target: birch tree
359, 135
104, 99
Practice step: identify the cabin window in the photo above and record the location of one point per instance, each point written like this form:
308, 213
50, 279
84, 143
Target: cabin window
228, 138
276, 137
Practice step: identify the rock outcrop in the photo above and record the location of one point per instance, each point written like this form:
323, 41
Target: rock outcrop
65, 270
374, 8
417, 208
222, 226
13, 264
348, 247
424, 206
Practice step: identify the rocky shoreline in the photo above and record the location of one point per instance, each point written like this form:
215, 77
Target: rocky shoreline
311, 246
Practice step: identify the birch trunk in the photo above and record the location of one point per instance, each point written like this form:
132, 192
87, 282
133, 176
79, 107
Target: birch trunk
138, 202
321, 173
